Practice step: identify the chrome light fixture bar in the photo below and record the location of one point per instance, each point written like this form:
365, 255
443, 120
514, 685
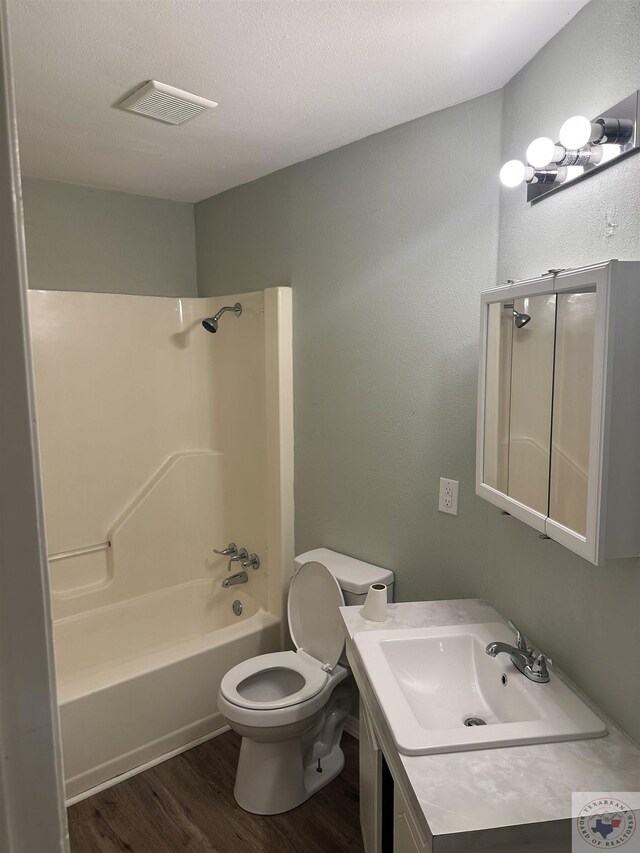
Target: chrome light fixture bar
585, 146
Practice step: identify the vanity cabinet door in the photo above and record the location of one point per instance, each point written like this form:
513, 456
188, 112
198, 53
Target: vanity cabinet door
370, 786
406, 835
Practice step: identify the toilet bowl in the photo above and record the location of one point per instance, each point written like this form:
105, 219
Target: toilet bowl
290, 707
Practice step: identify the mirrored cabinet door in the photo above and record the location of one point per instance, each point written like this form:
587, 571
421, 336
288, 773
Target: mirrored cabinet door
572, 400
558, 442
498, 397
519, 390
531, 400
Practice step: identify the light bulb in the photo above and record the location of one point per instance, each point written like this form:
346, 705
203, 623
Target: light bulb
608, 152
513, 173
543, 151
576, 132
573, 172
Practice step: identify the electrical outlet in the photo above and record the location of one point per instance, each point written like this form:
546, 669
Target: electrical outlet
448, 501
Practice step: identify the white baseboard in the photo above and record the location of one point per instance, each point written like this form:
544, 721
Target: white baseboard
146, 766
352, 727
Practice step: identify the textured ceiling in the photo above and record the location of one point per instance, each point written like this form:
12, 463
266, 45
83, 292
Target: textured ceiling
293, 79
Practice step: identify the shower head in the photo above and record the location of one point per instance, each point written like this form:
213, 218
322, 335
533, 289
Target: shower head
520, 319
211, 323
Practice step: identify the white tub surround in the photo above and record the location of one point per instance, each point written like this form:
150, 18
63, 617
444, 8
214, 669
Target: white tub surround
163, 440
511, 798
160, 442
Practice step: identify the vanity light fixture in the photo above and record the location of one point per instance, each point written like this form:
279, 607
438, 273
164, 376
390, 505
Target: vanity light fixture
584, 146
578, 131
543, 151
514, 172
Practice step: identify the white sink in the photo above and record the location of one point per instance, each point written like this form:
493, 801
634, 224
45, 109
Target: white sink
428, 681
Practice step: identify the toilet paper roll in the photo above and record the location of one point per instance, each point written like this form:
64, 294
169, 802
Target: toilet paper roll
375, 607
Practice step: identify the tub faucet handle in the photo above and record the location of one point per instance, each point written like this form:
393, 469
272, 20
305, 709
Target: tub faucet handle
231, 548
252, 560
239, 557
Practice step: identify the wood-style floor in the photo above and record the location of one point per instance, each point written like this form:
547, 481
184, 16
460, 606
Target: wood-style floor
186, 804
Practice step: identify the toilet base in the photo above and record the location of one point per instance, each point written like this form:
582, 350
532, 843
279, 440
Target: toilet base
277, 775
331, 766
271, 777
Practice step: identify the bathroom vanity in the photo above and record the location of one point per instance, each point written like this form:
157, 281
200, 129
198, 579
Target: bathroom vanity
559, 404
506, 799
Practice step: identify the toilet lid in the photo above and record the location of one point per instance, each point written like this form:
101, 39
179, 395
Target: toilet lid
314, 618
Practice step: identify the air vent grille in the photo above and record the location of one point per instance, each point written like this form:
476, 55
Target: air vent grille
166, 103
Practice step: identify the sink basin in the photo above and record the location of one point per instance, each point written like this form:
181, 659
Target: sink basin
440, 692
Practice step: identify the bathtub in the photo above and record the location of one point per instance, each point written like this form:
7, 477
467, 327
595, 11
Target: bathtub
138, 680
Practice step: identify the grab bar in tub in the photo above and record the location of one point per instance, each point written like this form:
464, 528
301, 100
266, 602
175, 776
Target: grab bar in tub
78, 552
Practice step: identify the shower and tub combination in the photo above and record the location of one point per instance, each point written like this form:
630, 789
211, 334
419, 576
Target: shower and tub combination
150, 466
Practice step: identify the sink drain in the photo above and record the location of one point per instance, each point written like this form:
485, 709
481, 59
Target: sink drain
474, 721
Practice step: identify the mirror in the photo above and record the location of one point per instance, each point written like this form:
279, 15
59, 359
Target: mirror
539, 371
519, 384
500, 328
531, 397
571, 429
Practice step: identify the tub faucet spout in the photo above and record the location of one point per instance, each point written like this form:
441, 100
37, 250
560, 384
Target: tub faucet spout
232, 580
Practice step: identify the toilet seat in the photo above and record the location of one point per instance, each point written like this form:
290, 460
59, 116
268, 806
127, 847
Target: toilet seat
237, 688
283, 679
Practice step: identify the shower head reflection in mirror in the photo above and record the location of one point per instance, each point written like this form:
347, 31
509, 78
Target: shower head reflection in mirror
520, 320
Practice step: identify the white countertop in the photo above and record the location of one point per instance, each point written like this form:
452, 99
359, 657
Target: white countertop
486, 789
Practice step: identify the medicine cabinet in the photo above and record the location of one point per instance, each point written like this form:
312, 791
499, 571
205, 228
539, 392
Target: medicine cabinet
559, 406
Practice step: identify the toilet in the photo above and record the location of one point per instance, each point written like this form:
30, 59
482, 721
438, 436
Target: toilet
290, 707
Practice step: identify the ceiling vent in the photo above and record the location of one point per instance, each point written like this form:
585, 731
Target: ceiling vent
166, 103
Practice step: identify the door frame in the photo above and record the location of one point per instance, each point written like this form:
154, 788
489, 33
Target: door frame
32, 813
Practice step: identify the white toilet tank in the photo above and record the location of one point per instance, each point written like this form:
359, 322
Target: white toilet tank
354, 576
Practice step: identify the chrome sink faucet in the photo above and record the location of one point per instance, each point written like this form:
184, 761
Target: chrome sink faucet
530, 662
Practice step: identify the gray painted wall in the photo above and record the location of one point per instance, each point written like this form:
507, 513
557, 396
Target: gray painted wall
387, 247
586, 617
243, 237
388, 243
79, 238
